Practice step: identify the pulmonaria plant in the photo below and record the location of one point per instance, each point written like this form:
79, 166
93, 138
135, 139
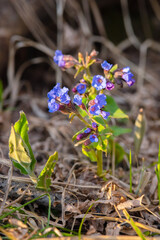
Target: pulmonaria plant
91, 102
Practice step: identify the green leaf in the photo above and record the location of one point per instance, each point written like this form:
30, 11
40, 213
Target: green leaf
82, 112
18, 153
113, 108
89, 152
119, 130
44, 179
75, 135
102, 145
114, 68
99, 120
139, 131
21, 127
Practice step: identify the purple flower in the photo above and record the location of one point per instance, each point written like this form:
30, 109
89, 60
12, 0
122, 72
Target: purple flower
93, 138
58, 59
99, 82
94, 125
95, 110
77, 100
131, 82
127, 76
81, 88
109, 85
105, 114
100, 100
53, 106
106, 66
88, 130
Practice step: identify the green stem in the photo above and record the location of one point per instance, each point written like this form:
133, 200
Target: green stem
83, 120
99, 163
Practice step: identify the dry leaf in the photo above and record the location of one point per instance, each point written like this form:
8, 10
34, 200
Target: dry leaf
130, 203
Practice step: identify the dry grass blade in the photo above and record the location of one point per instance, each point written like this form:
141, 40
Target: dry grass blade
143, 226
100, 238
28, 15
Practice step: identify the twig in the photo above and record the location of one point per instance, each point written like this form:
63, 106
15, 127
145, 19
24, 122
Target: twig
10, 172
128, 25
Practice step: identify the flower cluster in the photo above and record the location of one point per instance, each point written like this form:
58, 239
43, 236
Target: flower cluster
56, 97
117, 76
93, 105
91, 132
96, 106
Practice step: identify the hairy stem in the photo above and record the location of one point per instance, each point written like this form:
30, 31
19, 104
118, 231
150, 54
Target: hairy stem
99, 162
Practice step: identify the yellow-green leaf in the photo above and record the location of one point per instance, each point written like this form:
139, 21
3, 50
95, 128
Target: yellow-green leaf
18, 152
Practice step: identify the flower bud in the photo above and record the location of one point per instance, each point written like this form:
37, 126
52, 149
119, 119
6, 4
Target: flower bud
87, 142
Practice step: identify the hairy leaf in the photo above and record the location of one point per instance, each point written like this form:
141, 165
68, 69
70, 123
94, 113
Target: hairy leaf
120, 130
113, 109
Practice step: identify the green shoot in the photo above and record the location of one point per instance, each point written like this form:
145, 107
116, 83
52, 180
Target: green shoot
83, 219
136, 229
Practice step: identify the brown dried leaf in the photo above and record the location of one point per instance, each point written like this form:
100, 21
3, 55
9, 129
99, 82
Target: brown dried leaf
130, 203
17, 223
112, 229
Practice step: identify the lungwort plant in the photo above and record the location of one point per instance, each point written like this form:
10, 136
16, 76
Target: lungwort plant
91, 103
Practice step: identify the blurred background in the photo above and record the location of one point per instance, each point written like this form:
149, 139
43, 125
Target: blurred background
122, 31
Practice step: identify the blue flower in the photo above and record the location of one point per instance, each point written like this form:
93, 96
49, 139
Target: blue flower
81, 88
106, 66
95, 110
105, 114
88, 130
64, 97
55, 92
100, 100
109, 85
53, 106
58, 59
93, 138
99, 82
77, 100
58, 56
57, 96
94, 125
